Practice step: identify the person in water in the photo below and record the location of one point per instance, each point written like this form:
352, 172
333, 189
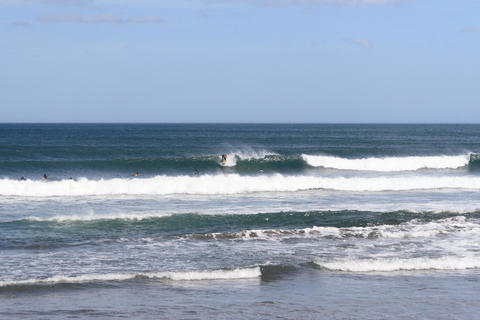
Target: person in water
135, 174
224, 158
22, 178
195, 172
45, 176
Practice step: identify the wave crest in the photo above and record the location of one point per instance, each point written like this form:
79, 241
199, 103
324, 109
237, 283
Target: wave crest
401, 264
388, 164
240, 273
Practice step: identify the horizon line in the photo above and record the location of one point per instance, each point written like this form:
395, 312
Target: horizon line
252, 123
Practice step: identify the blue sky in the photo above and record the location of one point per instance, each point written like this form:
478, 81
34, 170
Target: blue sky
240, 61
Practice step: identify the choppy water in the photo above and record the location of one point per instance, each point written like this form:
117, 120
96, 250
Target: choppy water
304, 221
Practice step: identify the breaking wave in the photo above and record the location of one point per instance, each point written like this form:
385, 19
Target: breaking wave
388, 164
401, 264
229, 184
240, 273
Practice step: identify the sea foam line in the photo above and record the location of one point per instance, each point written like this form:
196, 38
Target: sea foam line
240, 273
229, 184
388, 164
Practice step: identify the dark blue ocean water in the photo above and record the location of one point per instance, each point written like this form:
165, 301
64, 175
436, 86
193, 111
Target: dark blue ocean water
119, 149
309, 221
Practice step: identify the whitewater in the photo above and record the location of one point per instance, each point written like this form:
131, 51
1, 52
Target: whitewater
389, 164
330, 221
230, 184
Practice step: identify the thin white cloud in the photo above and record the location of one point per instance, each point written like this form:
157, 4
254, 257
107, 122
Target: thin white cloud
282, 3
472, 29
69, 2
191, 3
364, 43
102, 18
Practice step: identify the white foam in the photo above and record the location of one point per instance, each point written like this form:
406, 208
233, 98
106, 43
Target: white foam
388, 163
240, 273
229, 184
398, 264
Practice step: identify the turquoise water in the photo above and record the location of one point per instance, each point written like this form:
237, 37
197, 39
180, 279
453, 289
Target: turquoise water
304, 221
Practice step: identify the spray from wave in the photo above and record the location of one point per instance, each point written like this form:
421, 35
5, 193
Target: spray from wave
388, 164
246, 154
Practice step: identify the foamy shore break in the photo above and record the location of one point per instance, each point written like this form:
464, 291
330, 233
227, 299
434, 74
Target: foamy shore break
240, 273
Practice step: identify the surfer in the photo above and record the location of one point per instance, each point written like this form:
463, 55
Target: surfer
45, 176
22, 178
224, 158
195, 172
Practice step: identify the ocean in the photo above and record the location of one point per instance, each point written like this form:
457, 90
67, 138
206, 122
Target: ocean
304, 221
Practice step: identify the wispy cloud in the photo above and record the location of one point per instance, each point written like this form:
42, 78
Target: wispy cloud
102, 18
19, 24
203, 15
282, 3
69, 2
364, 43
196, 3
20, 3
472, 29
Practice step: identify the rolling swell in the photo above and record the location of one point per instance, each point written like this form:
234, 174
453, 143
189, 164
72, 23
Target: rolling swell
158, 165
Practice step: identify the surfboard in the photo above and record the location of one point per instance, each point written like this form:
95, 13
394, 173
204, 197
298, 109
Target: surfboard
223, 163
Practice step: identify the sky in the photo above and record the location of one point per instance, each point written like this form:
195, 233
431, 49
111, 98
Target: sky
395, 61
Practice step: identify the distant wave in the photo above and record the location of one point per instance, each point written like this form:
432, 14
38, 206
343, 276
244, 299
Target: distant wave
399, 264
96, 216
388, 164
248, 158
240, 273
229, 184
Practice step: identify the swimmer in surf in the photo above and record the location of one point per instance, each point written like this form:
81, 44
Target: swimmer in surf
22, 179
45, 176
224, 158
